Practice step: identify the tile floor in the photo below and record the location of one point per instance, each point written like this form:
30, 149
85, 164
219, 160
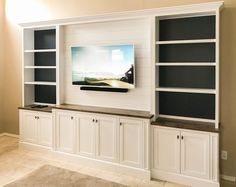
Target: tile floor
16, 162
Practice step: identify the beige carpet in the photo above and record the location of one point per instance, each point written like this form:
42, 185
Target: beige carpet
51, 176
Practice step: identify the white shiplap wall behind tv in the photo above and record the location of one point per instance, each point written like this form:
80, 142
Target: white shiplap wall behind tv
135, 32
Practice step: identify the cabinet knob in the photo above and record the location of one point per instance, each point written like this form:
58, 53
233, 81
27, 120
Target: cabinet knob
38, 117
96, 120
93, 120
120, 123
71, 117
182, 137
177, 136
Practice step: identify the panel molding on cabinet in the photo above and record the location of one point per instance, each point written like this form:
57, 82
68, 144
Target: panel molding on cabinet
131, 142
65, 132
166, 157
86, 135
107, 128
45, 129
195, 154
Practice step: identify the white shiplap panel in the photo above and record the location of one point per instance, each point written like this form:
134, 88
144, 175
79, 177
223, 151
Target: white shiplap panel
135, 32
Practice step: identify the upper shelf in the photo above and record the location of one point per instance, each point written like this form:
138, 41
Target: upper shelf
39, 50
186, 64
187, 90
186, 41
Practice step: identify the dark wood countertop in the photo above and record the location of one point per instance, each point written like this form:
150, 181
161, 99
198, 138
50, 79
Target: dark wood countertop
105, 110
31, 107
191, 125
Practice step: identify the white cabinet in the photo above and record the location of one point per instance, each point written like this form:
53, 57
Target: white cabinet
29, 126
97, 137
45, 129
131, 142
107, 132
36, 127
65, 132
180, 151
103, 137
166, 149
195, 154
86, 136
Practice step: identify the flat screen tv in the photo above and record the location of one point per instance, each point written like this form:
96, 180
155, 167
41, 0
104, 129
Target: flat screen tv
104, 66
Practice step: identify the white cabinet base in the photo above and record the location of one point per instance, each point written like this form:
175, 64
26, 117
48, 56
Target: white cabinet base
182, 179
90, 162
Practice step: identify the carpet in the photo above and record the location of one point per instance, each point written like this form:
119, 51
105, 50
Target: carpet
51, 176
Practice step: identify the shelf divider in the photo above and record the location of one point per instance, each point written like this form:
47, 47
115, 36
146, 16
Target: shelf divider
186, 41
186, 90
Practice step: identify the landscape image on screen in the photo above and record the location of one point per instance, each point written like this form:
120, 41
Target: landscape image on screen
106, 66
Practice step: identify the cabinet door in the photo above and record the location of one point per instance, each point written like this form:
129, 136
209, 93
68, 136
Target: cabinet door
131, 142
65, 128
107, 131
166, 149
195, 154
45, 129
29, 127
86, 136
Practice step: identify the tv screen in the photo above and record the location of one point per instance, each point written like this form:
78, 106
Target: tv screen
103, 66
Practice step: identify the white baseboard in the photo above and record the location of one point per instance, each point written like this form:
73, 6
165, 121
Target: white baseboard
228, 178
9, 134
91, 162
183, 179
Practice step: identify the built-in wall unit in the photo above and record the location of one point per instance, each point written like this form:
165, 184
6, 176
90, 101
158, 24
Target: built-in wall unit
134, 91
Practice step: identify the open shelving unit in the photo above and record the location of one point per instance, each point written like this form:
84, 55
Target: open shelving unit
40, 66
187, 68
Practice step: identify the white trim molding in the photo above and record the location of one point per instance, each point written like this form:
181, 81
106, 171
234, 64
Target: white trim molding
228, 178
9, 134
201, 8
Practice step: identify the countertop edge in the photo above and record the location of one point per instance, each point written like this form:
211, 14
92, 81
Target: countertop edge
195, 127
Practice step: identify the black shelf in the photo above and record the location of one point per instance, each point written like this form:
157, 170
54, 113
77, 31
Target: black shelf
48, 75
190, 52
190, 28
45, 39
45, 59
187, 77
193, 105
45, 94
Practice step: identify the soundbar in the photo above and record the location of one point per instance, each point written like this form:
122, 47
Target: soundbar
103, 89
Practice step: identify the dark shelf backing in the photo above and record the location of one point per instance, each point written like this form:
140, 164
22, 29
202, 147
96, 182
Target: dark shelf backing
45, 59
193, 52
187, 104
45, 94
202, 27
45, 39
48, 75
187, 77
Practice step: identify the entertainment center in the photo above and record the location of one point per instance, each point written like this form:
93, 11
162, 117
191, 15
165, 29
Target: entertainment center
166, 127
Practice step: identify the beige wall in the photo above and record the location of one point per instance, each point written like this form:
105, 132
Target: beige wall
52, 9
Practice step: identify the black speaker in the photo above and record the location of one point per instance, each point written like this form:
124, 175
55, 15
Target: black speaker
103, 89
